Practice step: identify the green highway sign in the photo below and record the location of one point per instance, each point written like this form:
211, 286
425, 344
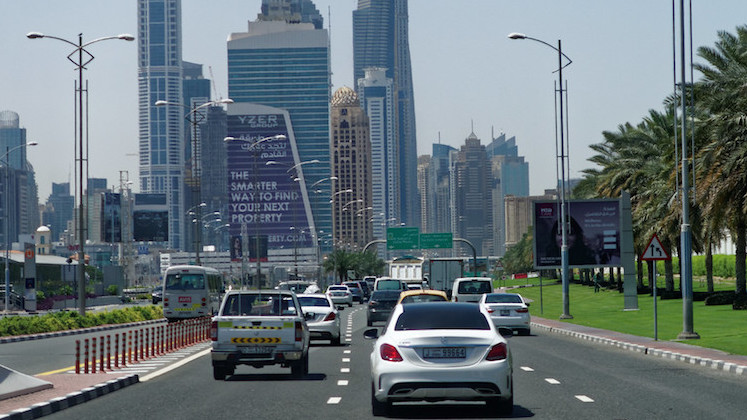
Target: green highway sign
402, 238
436, 240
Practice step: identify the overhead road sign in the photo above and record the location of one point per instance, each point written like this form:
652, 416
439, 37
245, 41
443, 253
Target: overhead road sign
402, 238
436, 240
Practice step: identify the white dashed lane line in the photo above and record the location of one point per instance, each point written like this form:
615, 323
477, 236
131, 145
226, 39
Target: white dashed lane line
342, 382
334, 400
552, 381
527, 369
584, 398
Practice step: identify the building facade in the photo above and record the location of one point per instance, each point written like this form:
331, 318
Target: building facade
284, 63
351, 165
381, 40
472, 192
161, 133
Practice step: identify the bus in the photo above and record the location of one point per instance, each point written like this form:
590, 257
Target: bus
191, 291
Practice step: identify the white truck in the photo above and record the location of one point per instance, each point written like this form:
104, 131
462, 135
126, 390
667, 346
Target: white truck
259, 328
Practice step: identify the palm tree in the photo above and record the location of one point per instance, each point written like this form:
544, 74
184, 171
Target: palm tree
724, 160
339, 262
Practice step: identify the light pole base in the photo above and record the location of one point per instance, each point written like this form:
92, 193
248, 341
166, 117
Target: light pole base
566, 316
685, 335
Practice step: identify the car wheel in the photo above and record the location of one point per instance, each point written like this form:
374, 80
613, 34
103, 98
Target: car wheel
379, 408
300, 368
369, 323
526, 332
350, 304
336, 341
500, 406
219, 373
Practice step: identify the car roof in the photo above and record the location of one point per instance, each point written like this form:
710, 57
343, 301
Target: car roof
422, 292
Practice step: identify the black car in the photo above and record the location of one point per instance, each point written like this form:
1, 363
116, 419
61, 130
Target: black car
157, 294
381, 304
355, 289
366, 290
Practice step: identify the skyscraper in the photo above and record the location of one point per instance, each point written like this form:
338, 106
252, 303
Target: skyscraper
472, 191
161, 128
380, 39
351, 164
283, 62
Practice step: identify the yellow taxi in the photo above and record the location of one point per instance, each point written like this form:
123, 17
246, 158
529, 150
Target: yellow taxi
428, 295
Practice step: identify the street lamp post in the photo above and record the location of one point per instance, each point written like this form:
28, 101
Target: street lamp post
563, 216
6, 161
253, 145
80, 64
195, 118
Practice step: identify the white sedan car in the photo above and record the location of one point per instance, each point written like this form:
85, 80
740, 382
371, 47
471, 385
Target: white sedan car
441, 351
340, 294
508, 310
325, 323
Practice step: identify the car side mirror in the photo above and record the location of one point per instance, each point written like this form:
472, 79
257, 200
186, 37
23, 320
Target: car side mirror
506, 332
526, 303
371, 334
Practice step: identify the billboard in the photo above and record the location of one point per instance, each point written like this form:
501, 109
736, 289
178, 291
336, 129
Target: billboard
150, 218
266, 191
111, 220
593, 233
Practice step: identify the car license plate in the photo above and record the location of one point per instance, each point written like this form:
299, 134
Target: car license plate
444, 353
505, 312
256, 349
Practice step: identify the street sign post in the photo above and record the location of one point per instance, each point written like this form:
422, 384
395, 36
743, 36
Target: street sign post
655, 251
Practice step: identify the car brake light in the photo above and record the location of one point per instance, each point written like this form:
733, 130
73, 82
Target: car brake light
330, 316
498, 352
299, 331
490, 310
389, 352
456, 299
522, 310
214, 331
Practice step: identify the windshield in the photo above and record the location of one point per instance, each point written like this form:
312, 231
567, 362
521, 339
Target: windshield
388, 285
441, 316
265, 304
313, 301
185, 281
475, 287
422, 298
503, 299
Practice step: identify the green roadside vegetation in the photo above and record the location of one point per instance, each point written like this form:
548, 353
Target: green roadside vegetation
720, 327
71, 320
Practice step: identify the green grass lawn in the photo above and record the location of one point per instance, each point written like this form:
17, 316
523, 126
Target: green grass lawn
719, 327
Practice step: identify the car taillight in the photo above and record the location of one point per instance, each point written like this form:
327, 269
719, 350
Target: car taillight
522, 310
372, 303
299, 331
165, 301
456, 299
389, 352
214, 331
203, 302
498, 352
330, 316
490, 310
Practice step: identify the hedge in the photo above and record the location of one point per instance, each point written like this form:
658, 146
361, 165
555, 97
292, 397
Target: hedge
70, 320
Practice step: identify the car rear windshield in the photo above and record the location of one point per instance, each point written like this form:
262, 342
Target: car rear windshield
380, 295
389, 285
503, 299
423, 298
475, 287
313, 301
256, 304
441, 316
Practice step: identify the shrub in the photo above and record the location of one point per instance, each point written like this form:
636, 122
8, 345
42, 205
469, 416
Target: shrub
720, 298
112, 290
740, 302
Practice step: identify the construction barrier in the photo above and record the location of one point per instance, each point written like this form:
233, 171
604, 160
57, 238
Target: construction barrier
140, 344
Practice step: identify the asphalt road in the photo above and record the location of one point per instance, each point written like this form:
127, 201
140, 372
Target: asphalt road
556, 377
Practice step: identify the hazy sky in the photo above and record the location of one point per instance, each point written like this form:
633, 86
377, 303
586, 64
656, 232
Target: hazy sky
466, 71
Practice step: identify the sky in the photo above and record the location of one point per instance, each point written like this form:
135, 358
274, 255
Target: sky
467, 75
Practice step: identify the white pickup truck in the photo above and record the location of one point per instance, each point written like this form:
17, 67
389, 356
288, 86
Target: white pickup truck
259, 328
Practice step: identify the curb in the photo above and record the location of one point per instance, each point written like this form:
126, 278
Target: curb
72, 399
17, 338
666, 354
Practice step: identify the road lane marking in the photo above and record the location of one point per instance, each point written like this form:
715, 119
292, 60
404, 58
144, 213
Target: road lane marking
345, 360
527, 369
584, 398
346, 352
342, 382
552, 381
345, 370
334, 400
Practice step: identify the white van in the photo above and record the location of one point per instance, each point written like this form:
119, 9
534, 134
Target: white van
470, 289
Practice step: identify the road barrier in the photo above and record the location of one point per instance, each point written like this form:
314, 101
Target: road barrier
140, 344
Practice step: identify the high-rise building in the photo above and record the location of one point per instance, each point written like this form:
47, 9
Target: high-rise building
351, 165
19, 187
161, 128
284, 63
58, 210
213, 186
439, 208
472, 193
381, 39
376, 93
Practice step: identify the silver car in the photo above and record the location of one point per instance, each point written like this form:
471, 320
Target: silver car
441, 351
508, 310
325, 322
340, 294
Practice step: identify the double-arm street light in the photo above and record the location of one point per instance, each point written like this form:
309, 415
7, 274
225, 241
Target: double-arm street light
194, 117
5, 159
80, 62
563, 216
253, 145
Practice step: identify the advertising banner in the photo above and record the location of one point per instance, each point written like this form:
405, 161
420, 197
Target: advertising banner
592, 235
150, 218
265, 181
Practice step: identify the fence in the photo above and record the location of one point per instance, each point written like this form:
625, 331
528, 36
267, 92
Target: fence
137, 345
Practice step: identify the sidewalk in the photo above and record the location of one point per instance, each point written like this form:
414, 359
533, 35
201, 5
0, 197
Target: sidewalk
688, 353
